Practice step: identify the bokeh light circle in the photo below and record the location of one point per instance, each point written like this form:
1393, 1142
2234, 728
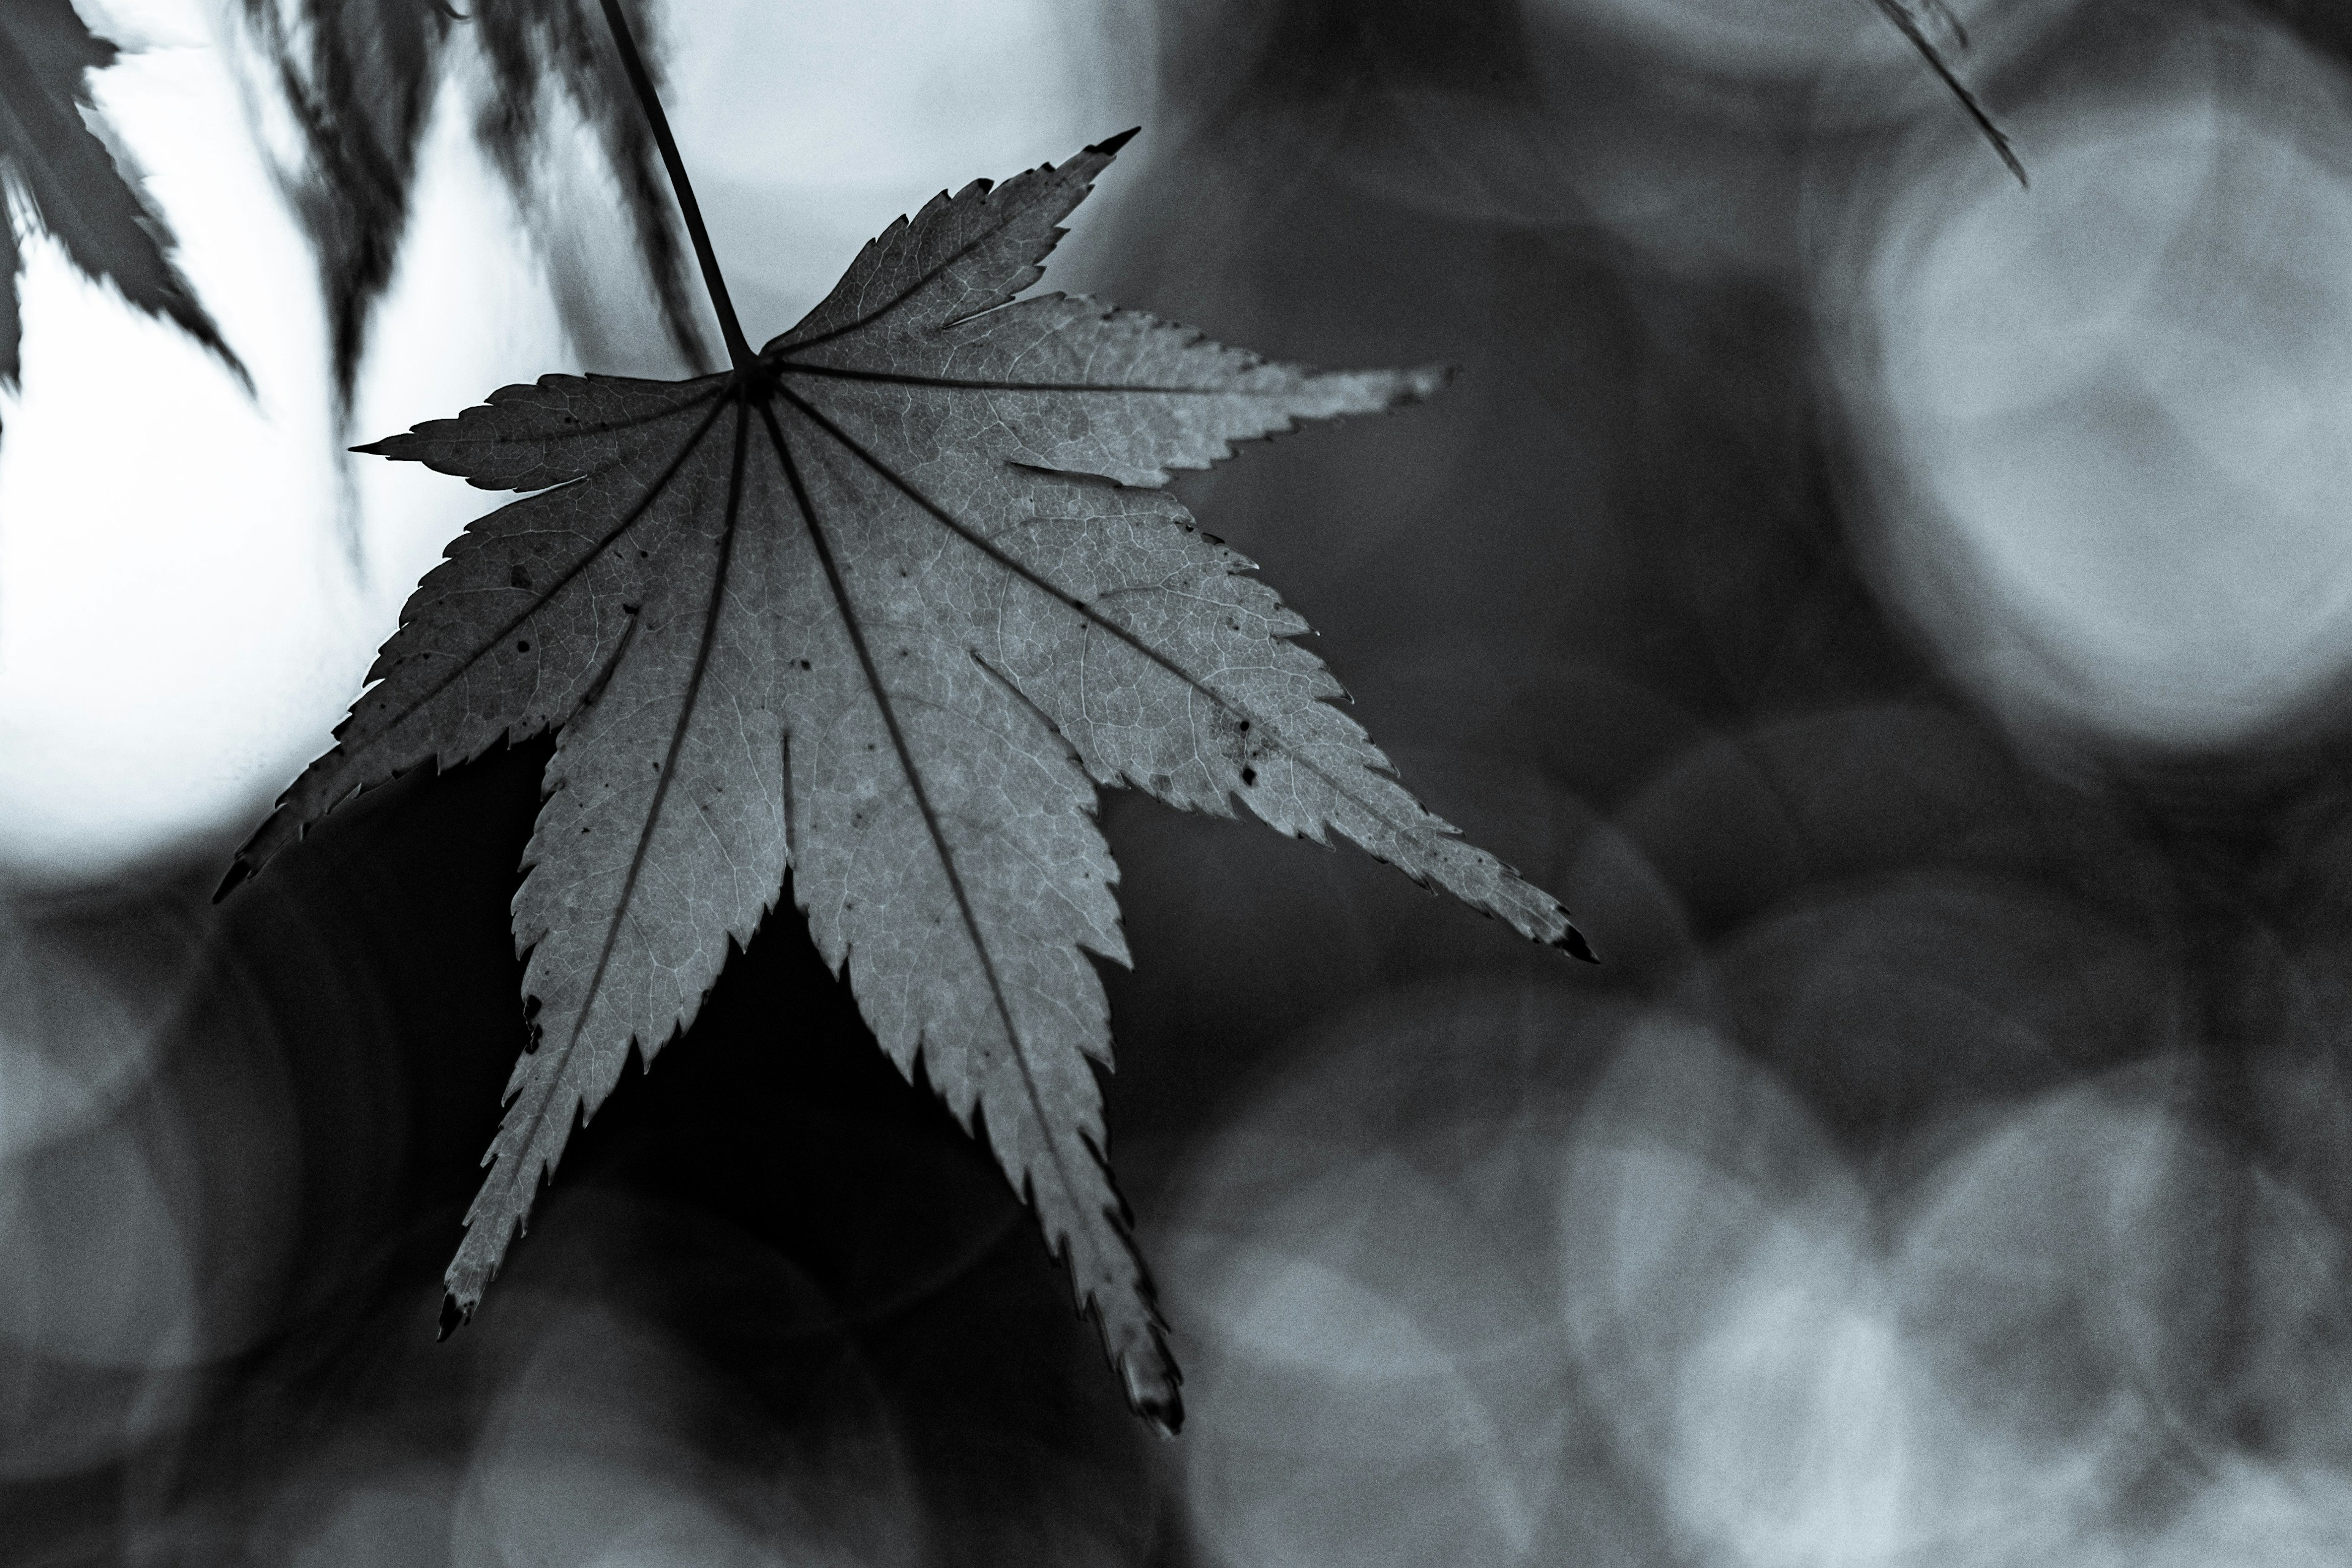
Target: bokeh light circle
2112, 416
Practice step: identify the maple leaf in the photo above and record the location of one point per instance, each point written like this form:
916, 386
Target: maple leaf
881, 605
72, 184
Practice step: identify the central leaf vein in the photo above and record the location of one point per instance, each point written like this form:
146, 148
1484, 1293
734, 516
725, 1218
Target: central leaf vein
946, 851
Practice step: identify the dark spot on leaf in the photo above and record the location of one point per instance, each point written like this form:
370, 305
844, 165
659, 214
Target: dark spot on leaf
1249, 775
523, 647
517, 577
1244, 726
804, 664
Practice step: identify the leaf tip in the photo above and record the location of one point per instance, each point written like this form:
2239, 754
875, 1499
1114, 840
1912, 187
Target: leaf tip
230, 362
1571, 942
453, 1318
1153, 1392
1423, 382
241, 872
1167, 1419
1109, 145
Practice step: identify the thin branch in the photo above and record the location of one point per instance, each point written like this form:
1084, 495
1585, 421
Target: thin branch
739, 351
1898, 13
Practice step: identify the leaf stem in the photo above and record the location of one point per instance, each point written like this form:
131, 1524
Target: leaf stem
739, 351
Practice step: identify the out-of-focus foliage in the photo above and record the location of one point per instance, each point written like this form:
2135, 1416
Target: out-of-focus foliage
58, 172
359, 78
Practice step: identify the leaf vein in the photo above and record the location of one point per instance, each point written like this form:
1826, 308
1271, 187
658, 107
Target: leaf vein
623, 906
1021, 570
920, 284
954, 384
563, 579
946, 851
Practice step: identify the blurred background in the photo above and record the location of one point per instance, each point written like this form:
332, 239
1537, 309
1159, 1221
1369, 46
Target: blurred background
1908, 617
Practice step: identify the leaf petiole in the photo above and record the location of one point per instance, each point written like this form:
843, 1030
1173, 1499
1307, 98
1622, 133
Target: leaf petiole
739, 351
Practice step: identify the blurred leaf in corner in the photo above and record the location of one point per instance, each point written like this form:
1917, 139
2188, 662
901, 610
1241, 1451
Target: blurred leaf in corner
359, 78
62, 175
532, 44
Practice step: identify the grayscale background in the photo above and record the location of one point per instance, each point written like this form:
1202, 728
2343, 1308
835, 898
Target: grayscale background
1906, 616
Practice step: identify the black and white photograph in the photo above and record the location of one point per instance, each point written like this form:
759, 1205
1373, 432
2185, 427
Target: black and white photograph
1175, 784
